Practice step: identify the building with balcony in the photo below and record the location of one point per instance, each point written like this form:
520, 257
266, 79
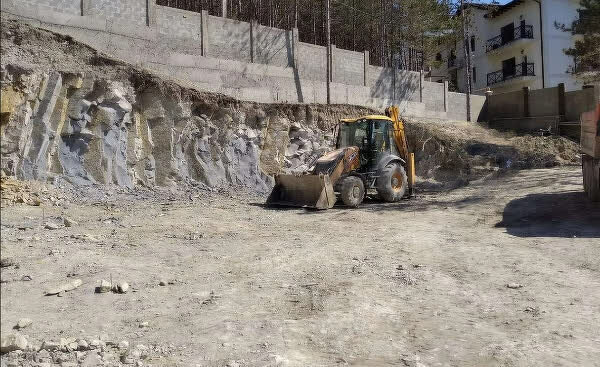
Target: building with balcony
512, 46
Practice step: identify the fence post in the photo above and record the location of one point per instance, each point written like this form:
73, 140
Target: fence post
204, 32
150, 12
253, 29
445, 96
366, 67
561, 100
333, 64
85, 7
526, 111
421, 82
295, 47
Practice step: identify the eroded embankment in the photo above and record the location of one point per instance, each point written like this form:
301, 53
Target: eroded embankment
70, 112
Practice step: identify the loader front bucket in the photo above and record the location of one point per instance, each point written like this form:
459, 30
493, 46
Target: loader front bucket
307, 191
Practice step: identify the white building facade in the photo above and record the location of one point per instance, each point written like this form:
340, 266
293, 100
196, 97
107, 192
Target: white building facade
513, 46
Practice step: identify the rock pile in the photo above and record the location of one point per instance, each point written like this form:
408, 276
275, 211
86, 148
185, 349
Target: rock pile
99, 351
306, 145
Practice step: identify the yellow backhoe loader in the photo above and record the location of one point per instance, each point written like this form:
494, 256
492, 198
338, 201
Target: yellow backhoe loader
371, 154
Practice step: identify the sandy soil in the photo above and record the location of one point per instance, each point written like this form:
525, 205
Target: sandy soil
421, 282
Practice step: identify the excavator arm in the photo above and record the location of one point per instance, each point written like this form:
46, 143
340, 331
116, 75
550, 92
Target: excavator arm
393, 112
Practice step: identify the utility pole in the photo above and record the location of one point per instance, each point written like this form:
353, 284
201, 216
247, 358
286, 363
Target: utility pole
467, 57
224, 8
328, 49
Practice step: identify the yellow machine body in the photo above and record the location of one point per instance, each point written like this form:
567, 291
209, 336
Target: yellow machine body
315, 188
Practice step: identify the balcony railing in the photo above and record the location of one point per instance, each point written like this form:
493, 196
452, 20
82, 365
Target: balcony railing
522, 69
520, 32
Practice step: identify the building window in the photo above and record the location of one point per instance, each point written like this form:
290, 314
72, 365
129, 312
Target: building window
472, 43
438, 57
474, 76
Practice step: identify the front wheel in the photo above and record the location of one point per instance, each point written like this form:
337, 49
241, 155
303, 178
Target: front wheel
393, 182
353, 191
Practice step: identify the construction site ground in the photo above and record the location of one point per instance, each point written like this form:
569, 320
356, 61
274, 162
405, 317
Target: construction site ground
503, 272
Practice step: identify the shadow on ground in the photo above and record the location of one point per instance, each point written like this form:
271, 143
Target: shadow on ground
566, 215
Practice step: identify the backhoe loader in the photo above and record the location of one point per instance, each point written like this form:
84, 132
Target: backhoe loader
371, 154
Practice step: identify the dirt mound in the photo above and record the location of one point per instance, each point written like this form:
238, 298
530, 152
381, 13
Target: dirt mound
452, 154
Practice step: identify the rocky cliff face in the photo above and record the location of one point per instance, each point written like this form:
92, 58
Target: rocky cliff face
147, 132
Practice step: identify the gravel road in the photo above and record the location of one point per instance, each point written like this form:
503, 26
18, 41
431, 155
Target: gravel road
498, 273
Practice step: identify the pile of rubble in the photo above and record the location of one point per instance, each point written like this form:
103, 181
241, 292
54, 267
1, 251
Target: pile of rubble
67, 352
32, 193
306, 145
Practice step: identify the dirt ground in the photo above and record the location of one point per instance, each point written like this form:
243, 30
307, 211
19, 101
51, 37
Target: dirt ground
418, 283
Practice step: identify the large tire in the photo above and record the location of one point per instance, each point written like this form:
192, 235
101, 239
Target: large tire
353, 191
393, 182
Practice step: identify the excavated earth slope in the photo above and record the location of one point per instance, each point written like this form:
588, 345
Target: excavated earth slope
70, 112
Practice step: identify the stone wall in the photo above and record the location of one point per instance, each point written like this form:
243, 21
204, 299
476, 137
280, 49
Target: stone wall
240, 59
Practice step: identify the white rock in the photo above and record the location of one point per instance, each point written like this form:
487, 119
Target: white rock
82, 345
50, 225
104, 287
124, 344
514, 285
23, 323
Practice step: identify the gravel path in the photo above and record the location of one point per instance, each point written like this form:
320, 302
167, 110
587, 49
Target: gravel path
499, 273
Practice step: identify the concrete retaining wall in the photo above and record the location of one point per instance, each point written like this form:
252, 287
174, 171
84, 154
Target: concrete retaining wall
540, 109
506, 105
579, 101
543, 102
134, 11
176, 23
244, 60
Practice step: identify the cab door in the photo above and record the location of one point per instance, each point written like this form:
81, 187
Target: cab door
380, 139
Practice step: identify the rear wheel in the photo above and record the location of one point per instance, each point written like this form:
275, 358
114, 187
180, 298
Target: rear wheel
353, 191
393, 182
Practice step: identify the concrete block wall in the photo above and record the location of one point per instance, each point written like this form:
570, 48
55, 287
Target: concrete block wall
272, 46
431, 96
177, 23
541, 109
240, 59
73, 7
380, 80
135, 11
229, 39
543, 102
579, 101
407, 85
348, 67
312, 61
506, 105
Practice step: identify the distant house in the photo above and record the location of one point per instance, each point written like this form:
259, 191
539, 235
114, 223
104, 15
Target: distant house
512, 46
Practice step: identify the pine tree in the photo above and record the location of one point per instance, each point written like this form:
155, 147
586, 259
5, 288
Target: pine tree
586, 50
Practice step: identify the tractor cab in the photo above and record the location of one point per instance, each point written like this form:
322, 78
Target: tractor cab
372, 135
